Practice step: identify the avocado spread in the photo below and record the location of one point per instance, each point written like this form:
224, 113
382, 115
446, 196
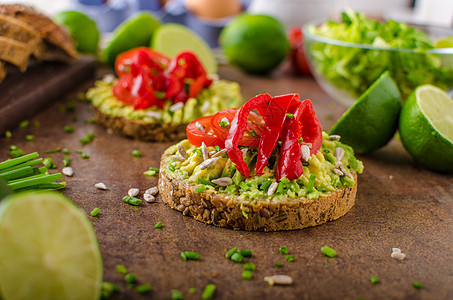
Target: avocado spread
221, 94
321, 172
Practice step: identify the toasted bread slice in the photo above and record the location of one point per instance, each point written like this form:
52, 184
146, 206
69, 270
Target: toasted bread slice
226, 210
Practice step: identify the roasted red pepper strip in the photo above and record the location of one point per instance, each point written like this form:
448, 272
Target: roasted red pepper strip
311, 127
237, 129
273, 123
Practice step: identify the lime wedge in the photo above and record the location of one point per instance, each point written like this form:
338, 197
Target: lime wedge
426, 127
171, 39
48, 249
373, 119
134, 32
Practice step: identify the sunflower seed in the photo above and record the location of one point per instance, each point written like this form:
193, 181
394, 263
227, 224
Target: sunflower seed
108, 78
223, 181
149, 198
396, 250
182, 151
101, 186
338, 172
309, 145
219, 153
204, 107
338, 164
204, 150
244, 151
176, 106
133, 192
398, 255
152, 190
272, 188
346, 172
153, 115
279, 279
178, 158
67, 171
305, 151
211, 153
200, 127
335, 137
339, 153
208, 163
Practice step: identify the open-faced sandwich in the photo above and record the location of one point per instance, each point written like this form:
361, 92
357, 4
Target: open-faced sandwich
265, 166
155, 97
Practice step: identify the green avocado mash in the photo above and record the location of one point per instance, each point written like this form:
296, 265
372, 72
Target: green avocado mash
220, 95
318, 178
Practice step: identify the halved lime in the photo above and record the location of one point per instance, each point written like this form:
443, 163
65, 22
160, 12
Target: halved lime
373, 119
426, 127
134, 32
171, 39
48, 249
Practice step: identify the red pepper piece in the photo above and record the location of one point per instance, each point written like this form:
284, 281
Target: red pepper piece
274, 118
237, 129
311, 127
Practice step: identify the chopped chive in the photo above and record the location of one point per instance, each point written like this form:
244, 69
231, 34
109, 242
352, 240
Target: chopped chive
107, 289
200, 189
184, 256
151, 171
237, 257
24, 124
132, 200
66, 161
249, 266
224, 124
176, 295
95, 212
231, 252
89, 138
190, 255
253, 133
327, 251
131, 278
285, 180
198, 152
68, 129
279, 264
311, 183
16, 152
247, 275
246, 252
136, 153
208, 292
158, 225
283, 250
417, 285
16, 161
84, 155
121, 269
143, 289
290, 115
48, 163
192, 290
170, 112
66, 151
374, 280
217, 148
206, 182
52, 151
8, 134
30, 137
301, 140
265, 185
280, 188
290, 258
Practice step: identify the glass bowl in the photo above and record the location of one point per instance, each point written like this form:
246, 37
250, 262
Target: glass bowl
345, 70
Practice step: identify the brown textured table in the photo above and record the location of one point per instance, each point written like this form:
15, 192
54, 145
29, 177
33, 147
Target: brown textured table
399, 204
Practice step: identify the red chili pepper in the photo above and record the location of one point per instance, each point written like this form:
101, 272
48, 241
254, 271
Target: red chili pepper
311, 127
273, 123
237, 129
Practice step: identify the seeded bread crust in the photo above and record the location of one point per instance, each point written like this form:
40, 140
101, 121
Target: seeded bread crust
141, 130
225, 210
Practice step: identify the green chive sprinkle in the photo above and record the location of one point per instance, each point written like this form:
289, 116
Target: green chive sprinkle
95, 212
231, 252
136, 153
283, 250
374, 280
265, 185
208, 292
206, 182
285, 180
224, 124
171, 167
48, 163
200, 189
56, 150
249, 266
132, 200
311, 183
158, 225
151, 172
24, 124
279, 264
290, 116
280, 188
8, 134
131, 278
107, 289
301, 140
66, 151
30, 137
66, 161
143, 289
327, 251
417, 285
176, 295
253, 133
192, 290
237, 257
290, 258
184, 256
246, 252
68, 129
217, 148
190, 255
121, 269
16, 152
84, 155
247, 275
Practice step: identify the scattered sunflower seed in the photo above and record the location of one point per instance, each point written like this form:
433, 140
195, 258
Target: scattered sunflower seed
338, 172
339, 153
200, 127
244, 151
152, 190
396, 250
101, 186
278, 279
178, 158
108, 78
204, 150
68, 171
133, 192
305, 151
219, 153
309, 145
182, 151
398, 255
208, 163
335, 137
176, 106
153, 114
338, 164
223, 181
346, 172
211, 153
149, 198
272, 188
204, 107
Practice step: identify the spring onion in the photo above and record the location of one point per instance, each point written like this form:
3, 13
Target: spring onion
249, 266
132, 200
176, 295
374, 280
158, 225
247, 275
95, 212
136, 153
208, 292
417, 285
279, 264
327, 251
200, 189
231, 252
68, 129
290, 258
237, 257
143, 289
283, 250
189, 255
121, 269
206, 182
246, 252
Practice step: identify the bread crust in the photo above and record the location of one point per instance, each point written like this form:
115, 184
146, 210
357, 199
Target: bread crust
141, 130
225, 210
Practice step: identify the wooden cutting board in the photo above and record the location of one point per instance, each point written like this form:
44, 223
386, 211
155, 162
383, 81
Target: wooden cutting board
22, 95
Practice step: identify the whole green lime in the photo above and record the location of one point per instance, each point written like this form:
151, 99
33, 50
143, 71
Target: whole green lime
255, 43
82, 29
